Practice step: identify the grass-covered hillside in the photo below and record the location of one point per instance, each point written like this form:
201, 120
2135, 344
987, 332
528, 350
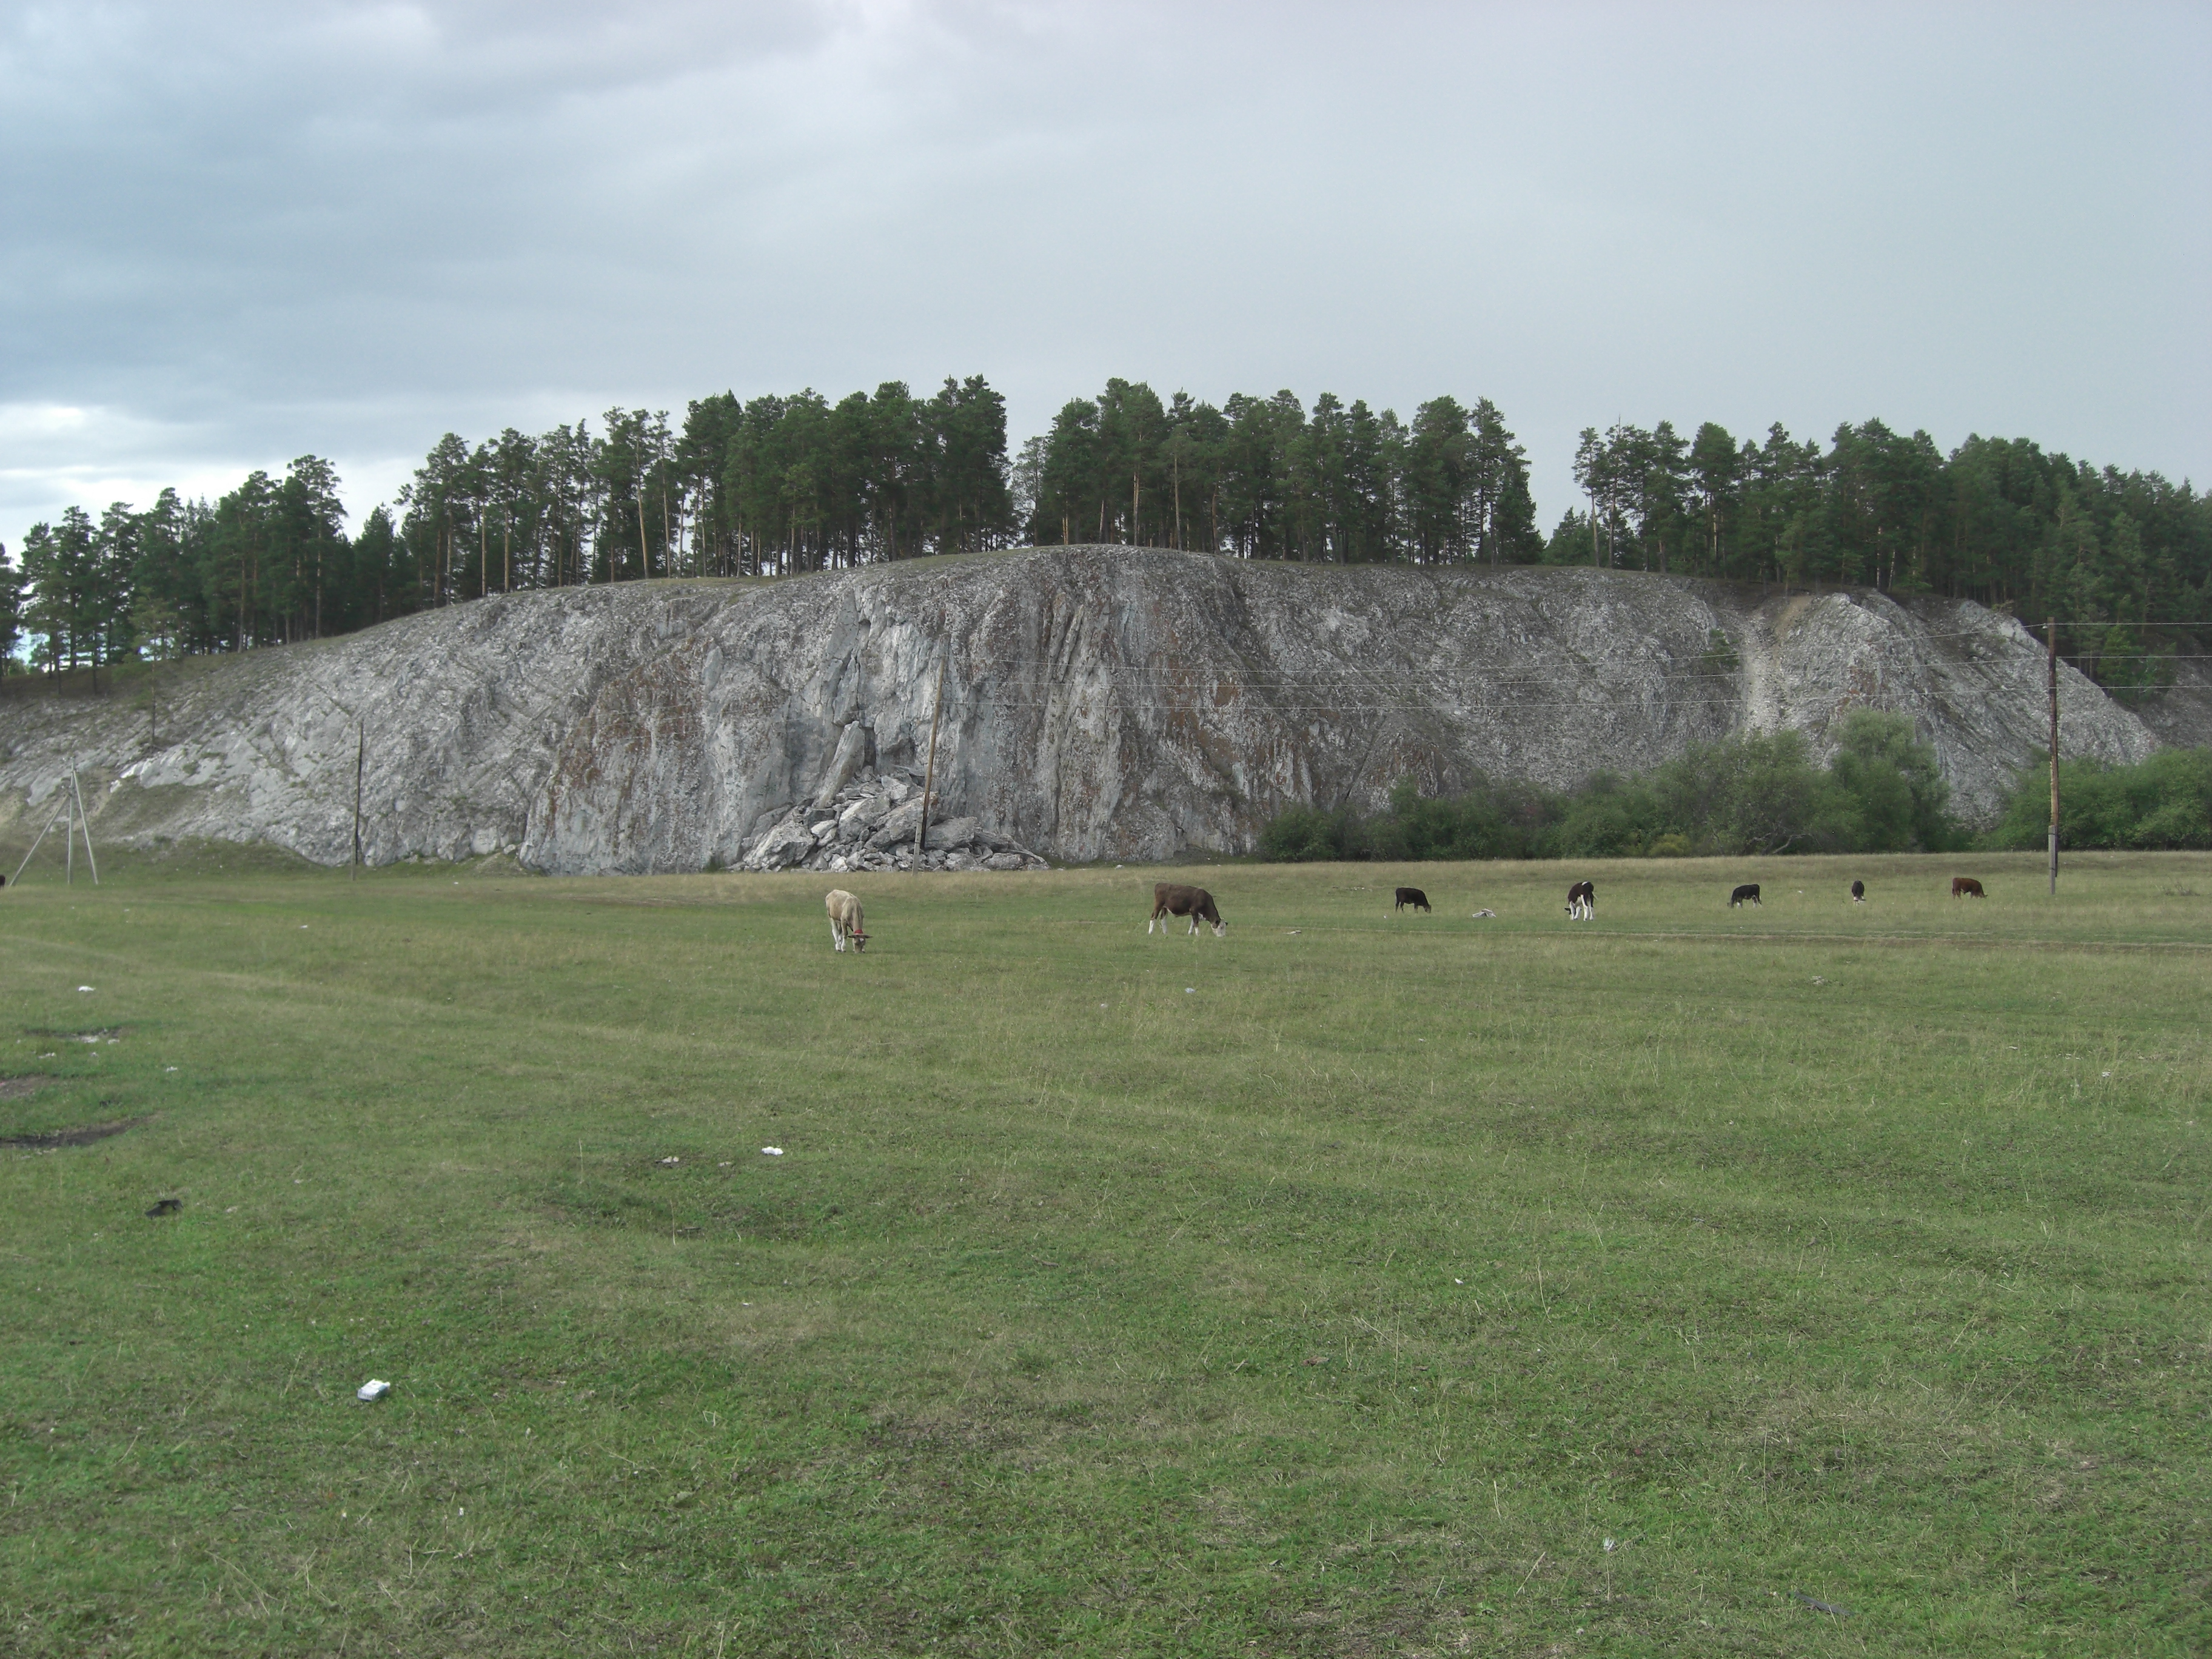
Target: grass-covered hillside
1806, 1279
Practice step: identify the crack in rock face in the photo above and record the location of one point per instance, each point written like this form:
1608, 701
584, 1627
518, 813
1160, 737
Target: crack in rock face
1098, 702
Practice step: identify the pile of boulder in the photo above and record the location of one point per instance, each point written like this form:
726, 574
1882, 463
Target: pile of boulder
871, 823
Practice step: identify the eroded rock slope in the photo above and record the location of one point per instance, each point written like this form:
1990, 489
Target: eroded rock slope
1098, 702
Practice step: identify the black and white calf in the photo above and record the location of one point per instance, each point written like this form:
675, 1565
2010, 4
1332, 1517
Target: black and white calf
1582, 901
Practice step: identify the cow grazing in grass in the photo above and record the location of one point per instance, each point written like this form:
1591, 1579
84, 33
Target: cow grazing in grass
1582, 901
1858, 892
1746, 894
845, 919
1967, 887
1171, 899
1412, 896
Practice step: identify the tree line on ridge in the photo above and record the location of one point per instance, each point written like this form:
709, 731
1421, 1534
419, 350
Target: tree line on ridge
781, 485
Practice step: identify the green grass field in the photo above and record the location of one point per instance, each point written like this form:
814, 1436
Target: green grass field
1358, 1284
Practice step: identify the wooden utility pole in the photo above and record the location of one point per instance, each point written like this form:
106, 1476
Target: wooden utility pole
360, 760
2051, 641
929, 772
84, 828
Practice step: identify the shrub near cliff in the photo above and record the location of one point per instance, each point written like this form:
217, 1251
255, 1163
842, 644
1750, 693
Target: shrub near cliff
1755, 794
2162, 804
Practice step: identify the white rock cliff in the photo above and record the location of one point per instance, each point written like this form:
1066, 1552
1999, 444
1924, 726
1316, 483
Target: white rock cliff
1099, 702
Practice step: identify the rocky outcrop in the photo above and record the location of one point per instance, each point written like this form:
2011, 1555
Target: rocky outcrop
1098, 702
875, 822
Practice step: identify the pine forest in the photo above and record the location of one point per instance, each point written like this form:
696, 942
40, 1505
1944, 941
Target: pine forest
783, 485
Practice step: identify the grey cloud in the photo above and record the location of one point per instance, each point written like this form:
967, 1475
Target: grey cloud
239, 234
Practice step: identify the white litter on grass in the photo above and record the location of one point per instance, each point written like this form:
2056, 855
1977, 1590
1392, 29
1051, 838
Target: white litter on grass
1611, 1545
1817, 980
375, 1388
2103, 1074
1459, 1281
84, 988
771, 1151
724, 1165
1190, 990
1479, 915
666, 1162
168, 1068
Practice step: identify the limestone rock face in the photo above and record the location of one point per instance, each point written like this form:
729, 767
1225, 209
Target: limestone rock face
854, 747
1099, 702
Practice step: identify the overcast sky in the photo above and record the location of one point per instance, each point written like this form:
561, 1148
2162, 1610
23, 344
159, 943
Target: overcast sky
233, 234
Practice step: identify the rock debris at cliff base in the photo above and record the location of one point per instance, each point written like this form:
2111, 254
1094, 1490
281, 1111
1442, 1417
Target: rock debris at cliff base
872, 824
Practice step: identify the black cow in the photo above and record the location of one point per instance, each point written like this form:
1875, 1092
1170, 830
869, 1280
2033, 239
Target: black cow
1858, 892
1412, 896
1170, 899
1582, 901
1746, 894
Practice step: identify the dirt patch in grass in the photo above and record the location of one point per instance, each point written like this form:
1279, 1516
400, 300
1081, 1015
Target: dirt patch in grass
83, 1135
22, 1088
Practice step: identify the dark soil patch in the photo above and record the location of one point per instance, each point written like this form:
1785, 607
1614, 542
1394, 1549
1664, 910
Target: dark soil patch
83, 1135
22, 1088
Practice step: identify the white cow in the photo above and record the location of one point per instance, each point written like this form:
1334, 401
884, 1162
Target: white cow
845, 919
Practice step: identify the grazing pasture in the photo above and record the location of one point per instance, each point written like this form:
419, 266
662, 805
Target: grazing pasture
1829, 1279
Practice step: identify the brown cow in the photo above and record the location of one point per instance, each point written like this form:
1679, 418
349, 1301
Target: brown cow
1967, 887
1170, 899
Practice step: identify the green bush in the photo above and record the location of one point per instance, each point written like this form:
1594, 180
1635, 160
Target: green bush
1760, 793
1893, 793
1305, 834
2162, 804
